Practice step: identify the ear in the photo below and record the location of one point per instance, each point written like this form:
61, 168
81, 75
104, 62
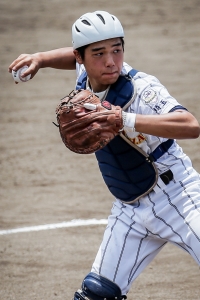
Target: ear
78, 57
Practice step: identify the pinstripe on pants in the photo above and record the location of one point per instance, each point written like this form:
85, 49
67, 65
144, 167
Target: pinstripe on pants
136, 233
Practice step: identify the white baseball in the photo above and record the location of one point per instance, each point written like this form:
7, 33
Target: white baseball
17, 75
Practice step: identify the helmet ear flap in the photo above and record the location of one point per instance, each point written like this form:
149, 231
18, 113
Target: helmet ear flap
95, 27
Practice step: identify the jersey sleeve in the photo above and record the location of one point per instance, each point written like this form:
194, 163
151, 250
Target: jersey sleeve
153, 97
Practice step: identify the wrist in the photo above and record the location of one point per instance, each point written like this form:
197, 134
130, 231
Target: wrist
129, 120
39, 58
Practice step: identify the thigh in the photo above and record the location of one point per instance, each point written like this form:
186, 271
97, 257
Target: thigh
127, 248
176, 213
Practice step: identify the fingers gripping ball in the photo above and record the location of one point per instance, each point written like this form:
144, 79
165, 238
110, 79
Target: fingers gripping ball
87, 124
17, 75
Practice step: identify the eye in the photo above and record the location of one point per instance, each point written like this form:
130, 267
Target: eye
117, 50
98, 54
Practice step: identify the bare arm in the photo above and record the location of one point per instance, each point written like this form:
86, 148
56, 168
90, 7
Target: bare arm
62, 58
179, 124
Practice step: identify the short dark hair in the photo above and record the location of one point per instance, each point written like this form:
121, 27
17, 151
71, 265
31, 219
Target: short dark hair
81, 50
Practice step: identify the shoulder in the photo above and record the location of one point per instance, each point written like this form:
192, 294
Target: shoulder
142, 78
153, 96
145, 79
126, 68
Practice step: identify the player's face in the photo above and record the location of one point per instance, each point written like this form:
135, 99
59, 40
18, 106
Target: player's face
103, 62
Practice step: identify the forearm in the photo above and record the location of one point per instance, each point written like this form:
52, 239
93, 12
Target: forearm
176, 125
62, 58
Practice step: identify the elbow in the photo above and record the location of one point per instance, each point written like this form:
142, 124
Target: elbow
195, 131
194, 128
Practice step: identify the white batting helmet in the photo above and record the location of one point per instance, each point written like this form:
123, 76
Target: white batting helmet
95, 27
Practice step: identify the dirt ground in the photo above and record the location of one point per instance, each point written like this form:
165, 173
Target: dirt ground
41, 182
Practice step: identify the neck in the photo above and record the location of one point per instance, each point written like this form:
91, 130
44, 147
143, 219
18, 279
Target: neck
97, 89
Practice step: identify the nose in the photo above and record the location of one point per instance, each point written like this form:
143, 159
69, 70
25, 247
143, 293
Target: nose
109, 61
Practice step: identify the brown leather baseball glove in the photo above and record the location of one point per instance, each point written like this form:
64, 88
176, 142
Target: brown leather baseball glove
87, 124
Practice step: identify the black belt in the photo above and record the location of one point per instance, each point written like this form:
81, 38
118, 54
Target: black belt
161, 149
167, 176
157, 153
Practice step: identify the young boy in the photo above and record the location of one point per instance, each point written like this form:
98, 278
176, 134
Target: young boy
156, 189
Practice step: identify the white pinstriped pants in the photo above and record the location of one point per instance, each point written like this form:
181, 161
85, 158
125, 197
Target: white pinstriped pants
136, 233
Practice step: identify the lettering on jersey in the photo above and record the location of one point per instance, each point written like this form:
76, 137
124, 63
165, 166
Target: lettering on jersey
153, 100
163, 102
139, 139
149, 95
157, 107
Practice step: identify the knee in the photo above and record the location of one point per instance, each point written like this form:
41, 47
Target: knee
97, 287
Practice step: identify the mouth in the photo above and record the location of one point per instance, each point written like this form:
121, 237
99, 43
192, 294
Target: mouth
110, 74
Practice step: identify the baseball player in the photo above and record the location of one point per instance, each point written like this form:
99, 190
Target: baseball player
153, 205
